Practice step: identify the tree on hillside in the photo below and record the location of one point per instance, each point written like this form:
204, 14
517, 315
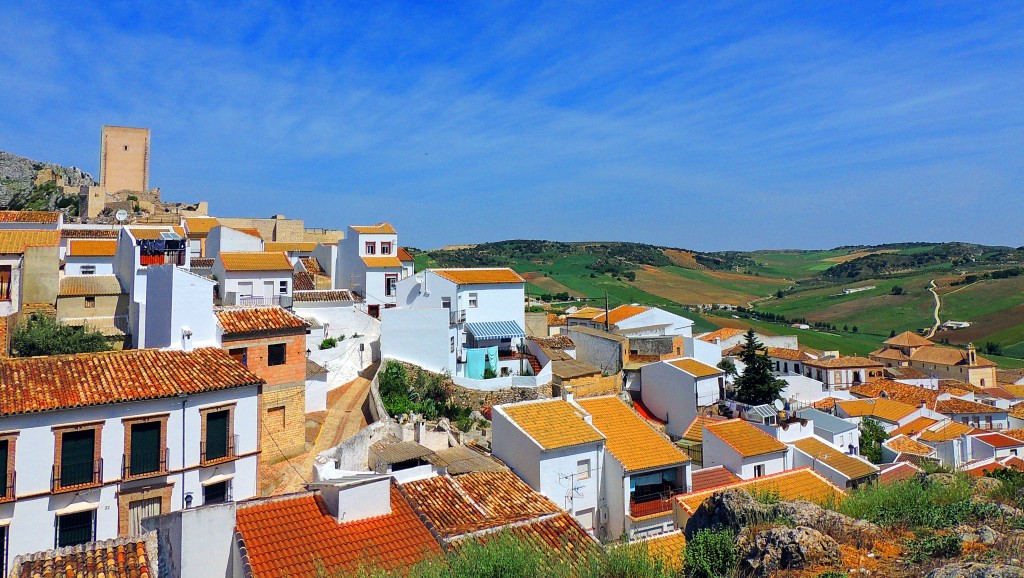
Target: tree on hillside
871, 437
757, 385
42, 335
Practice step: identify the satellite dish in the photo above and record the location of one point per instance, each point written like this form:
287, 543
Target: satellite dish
121, 215
779, 405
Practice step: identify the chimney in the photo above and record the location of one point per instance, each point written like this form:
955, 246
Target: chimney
351, 501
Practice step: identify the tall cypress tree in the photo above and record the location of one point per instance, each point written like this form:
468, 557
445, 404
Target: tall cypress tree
757, 385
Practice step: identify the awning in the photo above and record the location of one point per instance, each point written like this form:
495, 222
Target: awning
217, 479
77, 507
495, 330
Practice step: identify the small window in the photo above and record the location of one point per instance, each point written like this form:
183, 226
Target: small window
88, 269
583, 470
371, 248
239, 354
385, 248
453, 344
275, 419
472, 299
276, 354
390, 284
90, 302
283, 288
216, 493
758, 471
125, 147
75, 529
446, 302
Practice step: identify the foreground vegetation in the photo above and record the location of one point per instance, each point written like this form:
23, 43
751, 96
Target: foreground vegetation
42, 335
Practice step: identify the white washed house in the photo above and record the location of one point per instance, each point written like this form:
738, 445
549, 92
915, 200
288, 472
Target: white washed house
93, 443
673, 390
368, 264
90, 257
137, 249
252, 278
637, 321
18, 250
221, 239
743, 449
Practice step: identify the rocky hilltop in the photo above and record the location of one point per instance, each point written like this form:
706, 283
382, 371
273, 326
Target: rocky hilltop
19, 187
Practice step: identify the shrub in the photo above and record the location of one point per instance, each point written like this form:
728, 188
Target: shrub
922, 549
766, 496
917, 503
832, 574
710, 554
328, 343
42, 335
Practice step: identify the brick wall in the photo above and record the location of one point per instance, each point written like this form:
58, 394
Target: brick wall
292, 371
594, 385
283, 433
6, 327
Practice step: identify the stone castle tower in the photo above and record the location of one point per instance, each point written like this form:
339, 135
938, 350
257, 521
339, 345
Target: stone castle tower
124, 159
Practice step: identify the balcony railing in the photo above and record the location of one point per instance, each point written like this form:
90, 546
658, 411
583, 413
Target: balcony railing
76, 476
652, 504
218, 451
282, 300
154, 465
456, 317
7, 491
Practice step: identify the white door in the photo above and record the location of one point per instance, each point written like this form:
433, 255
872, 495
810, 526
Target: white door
245, 288
268, 291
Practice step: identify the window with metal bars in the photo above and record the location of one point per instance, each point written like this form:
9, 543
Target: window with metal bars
77, 457
217, 435
216, 493
75, 529
146, 451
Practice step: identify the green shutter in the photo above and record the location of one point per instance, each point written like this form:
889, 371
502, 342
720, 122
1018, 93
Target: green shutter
75, 529
146, 452
77, 457
216, 435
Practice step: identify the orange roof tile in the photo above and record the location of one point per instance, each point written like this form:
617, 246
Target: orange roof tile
552, 423
790, 354
300, 247
908, 394
117, 558
723, 334
312, 265
826, 403
898, 472
476, 501
949, 431
850, 466
885, 409
947, 356
88, 233
254, 261
841, 362
200, 226
903, 444
251, 231
153, 233
914, 426
982, 467
908, 339
696, 368
745, 438
998, 440
258, 319
378, 229
14, 241
32, 384
89, 285
960, 406
378, 262
28, 216
695, 431
892, 354
289, 536
621, 313
630, 439
796, 484
560, 535
479, 276
404, 256
92, 248
668, 548
714, 477
1017, 434
585, 313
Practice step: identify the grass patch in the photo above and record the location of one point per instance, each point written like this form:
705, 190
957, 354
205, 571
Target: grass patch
917, 503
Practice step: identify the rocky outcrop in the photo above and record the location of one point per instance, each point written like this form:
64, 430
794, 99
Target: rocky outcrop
766, 552
18, 174
973, 570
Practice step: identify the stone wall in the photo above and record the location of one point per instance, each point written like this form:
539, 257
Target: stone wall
283, 434
124, 159
592, 385
277, 228
326, 236
475, 399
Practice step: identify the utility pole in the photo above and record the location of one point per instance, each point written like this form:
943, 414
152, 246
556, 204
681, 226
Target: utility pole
606, 310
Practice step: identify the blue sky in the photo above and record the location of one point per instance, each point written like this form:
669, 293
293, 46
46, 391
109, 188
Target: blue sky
702, 125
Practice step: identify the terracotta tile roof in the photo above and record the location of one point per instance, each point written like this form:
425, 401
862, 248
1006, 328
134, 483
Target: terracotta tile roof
153, 233
200, 226
949, 431
955, 385
89, 285
251, 231
914, 426
303, 281
898, 472
668, 548
1017, 391
404, 256
561, 534
903, 444
836, 459
796, 484
92, 248
258, 319
1010, 376
28, 217
554, 342
324, 295
621, 313
745, 438
1014, 462
947, 356
723, 334
585, 313
201, 263
555, 319
465, 460
1017, 410
891, 354
885, 409
908, 394
959, 406
14, 241
298, 247
378, 229
908, 339
476, 501
133, 557
88, 233
290, 536
826, 403
998, 440
380, 262
696, 368
695, 431
1017, 434
982, 467
33, 384
631, 440
312, 265
478, 276
314, 369
253, 261
707, 478
905, 373
841, 362
998, 393
790, 354
552, 423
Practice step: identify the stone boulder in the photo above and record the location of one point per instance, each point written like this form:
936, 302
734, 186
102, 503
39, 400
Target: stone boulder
975, 570
766, 552
732, 509
985, 485
839, 526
